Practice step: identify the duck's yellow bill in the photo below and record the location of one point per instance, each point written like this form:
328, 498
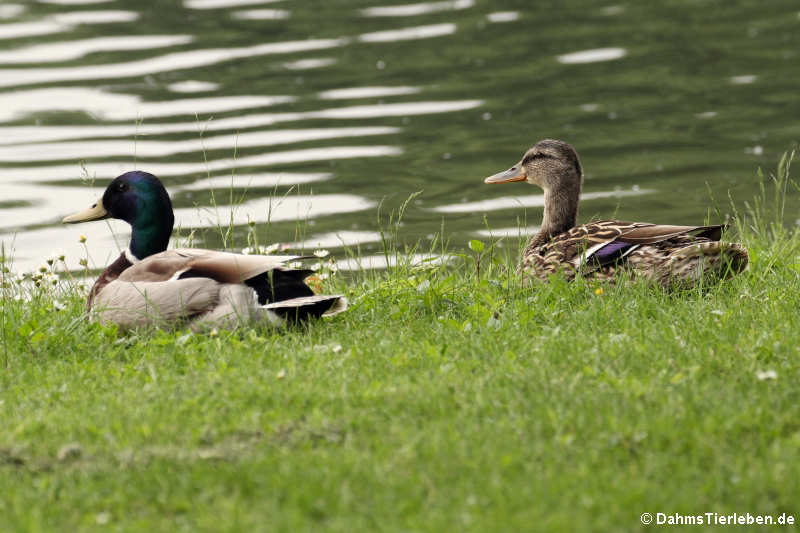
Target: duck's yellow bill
507, 176
96, 212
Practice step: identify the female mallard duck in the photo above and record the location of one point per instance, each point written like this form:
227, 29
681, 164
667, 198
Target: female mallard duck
669, 255
149, 284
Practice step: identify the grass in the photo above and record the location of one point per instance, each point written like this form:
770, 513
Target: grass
446, 399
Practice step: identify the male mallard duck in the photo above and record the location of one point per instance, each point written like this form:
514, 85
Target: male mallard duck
669, 255
149, 284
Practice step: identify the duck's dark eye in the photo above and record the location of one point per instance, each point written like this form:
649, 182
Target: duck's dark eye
122, 187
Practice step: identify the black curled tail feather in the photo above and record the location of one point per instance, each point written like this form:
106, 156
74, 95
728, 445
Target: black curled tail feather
280, 284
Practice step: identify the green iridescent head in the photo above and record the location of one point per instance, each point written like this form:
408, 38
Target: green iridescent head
140, 199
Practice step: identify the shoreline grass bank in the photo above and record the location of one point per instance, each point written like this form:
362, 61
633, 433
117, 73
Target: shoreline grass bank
443, 399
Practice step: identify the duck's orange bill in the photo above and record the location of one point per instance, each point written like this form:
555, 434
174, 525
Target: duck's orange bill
507, 176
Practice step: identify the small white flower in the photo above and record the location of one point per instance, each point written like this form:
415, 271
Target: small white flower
316, 266
281, 373
295, 264
717, 312
58, 306
336, 348
322, 253
271, 248
323, 276
247, 251
766, 374
333, 267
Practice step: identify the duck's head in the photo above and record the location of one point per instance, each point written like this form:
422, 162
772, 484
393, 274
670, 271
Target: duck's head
140, 199
554, 166
550, 164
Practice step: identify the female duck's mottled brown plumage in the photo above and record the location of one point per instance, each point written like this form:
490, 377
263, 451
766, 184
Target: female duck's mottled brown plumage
669, 255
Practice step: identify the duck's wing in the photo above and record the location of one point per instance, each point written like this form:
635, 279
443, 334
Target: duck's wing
577, 245
653, 233
223, 267
567, 251
267, 275
601, 242
605, 250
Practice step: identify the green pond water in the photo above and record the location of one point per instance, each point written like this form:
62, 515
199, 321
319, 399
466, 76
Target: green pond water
334, 107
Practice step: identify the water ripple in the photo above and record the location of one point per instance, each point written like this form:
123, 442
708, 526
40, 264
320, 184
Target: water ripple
290, 207
406, 34
262, 14
73, 2
10, 11
43, 204
533, 200
743, 79
410, 10
192, 86
155, 149
17, 104
73, 172
94, 17
336, 239
112, 106
367, 92
252, 181
61, 22
217, 4
68, 50
27, 134
312, 62
508, 233
164, 63
17, 30
192, 106
105, 241
395, 110
592, 56
503, 16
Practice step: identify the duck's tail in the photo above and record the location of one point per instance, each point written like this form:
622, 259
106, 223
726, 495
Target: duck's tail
305, 307
688, 265
713, 259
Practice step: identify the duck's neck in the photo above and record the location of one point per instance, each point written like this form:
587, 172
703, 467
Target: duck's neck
560, 213
560, 209
150, 236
